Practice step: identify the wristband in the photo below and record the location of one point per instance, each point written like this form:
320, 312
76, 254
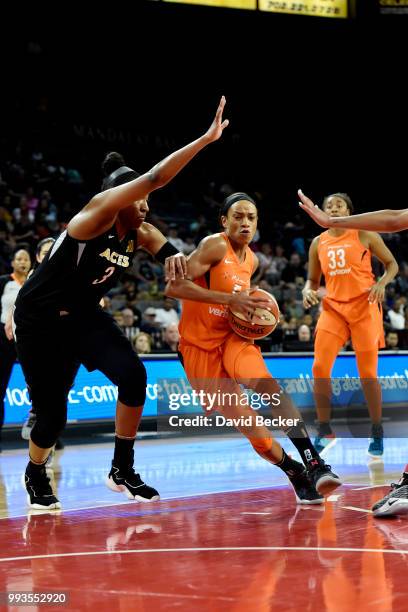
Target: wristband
167, 250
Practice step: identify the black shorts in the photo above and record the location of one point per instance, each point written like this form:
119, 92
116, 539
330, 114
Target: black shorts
50, 354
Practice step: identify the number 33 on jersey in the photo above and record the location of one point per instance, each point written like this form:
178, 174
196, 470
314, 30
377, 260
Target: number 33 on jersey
346, 265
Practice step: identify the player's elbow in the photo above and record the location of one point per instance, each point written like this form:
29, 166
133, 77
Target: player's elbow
157, 177
394, 266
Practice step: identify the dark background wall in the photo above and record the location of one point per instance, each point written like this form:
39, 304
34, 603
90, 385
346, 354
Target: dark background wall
316, 103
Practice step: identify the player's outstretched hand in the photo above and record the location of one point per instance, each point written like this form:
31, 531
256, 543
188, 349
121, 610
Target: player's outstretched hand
316, 213
216, 128
175, 267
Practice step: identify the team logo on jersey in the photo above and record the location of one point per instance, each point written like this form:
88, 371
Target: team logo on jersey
130, 246
115, 258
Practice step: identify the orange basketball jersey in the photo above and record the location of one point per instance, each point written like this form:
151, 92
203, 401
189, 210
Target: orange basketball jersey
206, 325
346, 265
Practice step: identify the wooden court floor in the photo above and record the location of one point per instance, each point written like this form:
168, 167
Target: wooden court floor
227, 534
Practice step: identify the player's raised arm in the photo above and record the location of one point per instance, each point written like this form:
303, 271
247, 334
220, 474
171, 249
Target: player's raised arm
100, 213
377, 221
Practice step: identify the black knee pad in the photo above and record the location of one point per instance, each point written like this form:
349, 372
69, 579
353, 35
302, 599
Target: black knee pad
47, 429
50, 409
132, 383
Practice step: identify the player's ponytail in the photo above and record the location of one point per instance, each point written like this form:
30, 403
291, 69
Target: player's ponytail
115, 171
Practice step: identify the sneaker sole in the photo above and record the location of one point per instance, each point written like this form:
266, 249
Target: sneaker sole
327, 484
398, 507
306, 502
54, 506
309, 502
122, 489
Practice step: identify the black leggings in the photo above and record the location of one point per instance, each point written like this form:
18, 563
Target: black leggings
50, 361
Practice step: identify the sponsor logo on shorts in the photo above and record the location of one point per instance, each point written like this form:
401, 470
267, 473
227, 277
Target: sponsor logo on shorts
218, 312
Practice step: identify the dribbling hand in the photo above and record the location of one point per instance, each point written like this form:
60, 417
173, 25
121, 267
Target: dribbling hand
245, 304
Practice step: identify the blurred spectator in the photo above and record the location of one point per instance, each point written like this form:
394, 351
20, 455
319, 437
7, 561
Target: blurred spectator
392, 341
189, 245
32, 201
200, 228
171, 338
143, 343
401, 281
174, 239
22, 211
152, 328
145, 271
298, 245
129, 290
168, 314
129, 326
118, 316
294, 274
276, 265
302, 342
396, 314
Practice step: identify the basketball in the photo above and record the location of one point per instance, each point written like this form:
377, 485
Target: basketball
263, 321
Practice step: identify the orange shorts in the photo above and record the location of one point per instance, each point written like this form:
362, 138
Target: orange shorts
358, 319
236, 358
225, 366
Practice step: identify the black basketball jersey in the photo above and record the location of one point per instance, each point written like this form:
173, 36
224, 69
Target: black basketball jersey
75, 275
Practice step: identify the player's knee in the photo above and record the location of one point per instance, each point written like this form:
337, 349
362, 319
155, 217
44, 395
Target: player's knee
261, 445
132, 383
47, 430
368, 373
320, 369
367, 364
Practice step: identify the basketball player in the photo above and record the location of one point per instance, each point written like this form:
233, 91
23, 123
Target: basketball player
221, 268
351, 308
60, 324
9, 286
396, 501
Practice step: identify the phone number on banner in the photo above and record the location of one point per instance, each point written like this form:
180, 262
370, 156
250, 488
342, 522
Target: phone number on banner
319, 8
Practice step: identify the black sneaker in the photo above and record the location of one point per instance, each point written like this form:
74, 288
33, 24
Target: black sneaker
322, 477
126, 481
396, 501
305, 490
40, 495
